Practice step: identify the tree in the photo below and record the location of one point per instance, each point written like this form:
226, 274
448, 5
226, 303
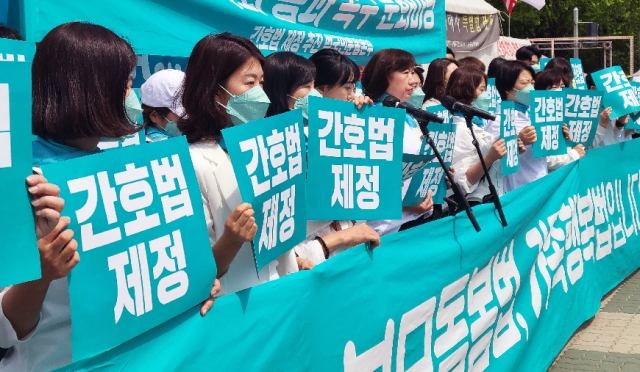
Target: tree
615, 18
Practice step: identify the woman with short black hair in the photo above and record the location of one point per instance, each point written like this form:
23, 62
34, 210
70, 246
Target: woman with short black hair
336, 75
288, 78
563, 65
515, 83
550, 79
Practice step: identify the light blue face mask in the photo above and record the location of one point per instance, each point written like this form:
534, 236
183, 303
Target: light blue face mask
132, 107
482, 102
303, 103
522, 96
250, 106
172, 128
536, 67
416, 98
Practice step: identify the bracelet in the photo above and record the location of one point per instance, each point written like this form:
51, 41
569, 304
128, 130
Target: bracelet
325, 249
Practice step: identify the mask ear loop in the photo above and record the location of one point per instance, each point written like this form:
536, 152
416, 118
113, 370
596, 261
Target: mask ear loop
229, 93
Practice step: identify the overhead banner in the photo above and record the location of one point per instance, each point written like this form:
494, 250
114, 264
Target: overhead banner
19, 249
142, 238
357, 29
437, 297
471, 32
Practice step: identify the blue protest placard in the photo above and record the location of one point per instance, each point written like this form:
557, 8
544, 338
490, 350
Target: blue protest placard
510, 162
634, 122
578, 74
547, 116
582, 114
432, 177
19, 250
145, 254
269, 163
495, 95
350, 152
543, 62
412, 164
618, 92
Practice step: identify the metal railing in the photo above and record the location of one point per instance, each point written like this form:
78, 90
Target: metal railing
590, 42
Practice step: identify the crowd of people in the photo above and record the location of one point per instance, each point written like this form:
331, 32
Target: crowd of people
86, 96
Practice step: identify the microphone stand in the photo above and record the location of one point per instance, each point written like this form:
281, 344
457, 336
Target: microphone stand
454, 186
492, 188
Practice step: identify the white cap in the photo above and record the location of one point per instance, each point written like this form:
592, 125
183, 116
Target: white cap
161, 88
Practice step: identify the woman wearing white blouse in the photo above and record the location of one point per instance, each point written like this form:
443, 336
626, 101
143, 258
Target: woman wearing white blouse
223, 87
465, 85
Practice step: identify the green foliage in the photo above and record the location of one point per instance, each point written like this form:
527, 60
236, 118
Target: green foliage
615, 18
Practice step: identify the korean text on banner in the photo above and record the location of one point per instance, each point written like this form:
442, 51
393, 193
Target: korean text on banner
142, 238
578, 74
19, 250
432, 177
547, 116
582, 115
453, 299
355, 161
357, 29
269, 163
510, 162
618, 92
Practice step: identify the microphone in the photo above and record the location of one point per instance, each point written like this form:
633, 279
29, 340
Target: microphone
391, 101
452, 105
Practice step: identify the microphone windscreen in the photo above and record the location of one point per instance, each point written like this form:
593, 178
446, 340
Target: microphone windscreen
448, 102
390, 101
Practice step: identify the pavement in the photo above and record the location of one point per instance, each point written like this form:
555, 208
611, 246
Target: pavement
611, 340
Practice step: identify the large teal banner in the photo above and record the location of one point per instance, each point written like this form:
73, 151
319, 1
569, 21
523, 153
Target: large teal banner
19, 250
164, 27
436, 297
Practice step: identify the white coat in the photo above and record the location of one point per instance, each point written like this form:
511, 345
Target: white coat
220, 196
